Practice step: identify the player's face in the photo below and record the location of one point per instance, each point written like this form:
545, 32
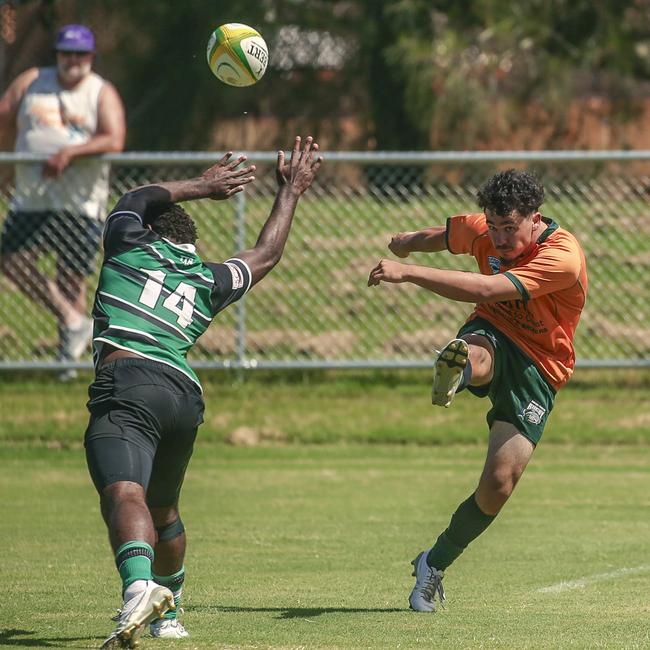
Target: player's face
73, 66
514, 234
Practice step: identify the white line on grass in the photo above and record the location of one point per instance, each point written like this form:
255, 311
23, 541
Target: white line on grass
581, 583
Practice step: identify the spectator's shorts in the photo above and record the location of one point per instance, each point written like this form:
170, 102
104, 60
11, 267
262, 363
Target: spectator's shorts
143, 421
518, 391
75, 239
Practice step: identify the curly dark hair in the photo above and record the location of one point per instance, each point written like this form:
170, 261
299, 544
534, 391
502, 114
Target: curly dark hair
511, 190
171, 221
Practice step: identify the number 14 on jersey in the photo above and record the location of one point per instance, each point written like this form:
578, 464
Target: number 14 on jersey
180, 301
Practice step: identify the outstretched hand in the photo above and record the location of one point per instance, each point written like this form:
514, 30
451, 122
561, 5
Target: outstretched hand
302, 167
387, 271
225, 180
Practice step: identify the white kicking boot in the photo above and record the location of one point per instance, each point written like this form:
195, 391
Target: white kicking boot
448, 371
428, 585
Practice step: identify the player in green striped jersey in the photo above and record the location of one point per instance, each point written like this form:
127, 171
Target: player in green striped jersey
155, 297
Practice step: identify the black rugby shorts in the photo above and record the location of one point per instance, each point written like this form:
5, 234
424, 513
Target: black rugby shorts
144, 417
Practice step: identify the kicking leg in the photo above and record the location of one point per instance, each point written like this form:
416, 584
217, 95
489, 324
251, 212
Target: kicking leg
466, 361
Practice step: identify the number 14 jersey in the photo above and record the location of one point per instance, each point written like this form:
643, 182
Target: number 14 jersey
156, 297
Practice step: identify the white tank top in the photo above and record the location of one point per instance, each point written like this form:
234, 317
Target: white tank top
50, 118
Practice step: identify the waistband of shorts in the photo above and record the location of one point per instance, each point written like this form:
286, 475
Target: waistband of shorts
140, 362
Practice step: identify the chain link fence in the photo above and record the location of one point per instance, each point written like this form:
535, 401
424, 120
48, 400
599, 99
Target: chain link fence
314, 309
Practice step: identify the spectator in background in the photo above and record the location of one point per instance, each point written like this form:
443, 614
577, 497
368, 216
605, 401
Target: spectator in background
68, 113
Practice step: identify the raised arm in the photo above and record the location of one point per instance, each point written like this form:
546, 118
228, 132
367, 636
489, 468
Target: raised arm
221, 181
293, 179
430, 240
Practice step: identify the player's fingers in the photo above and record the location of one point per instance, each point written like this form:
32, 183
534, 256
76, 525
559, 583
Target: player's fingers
235, 163
235, 190
245, 170
373, 280
316, 164
307, 153
246, 180
280, 166
225, 158
295, 153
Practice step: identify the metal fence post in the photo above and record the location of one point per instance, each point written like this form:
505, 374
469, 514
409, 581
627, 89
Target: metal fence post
240, 244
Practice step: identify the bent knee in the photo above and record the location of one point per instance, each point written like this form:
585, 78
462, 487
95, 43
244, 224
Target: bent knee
500, 483
123, 491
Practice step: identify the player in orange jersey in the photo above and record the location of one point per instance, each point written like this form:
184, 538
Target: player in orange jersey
516, 347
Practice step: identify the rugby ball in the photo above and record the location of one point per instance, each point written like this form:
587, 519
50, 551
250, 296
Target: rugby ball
237, 54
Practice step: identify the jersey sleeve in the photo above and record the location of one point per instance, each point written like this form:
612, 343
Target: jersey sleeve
463, 231
123, 230
232, 279
554, 268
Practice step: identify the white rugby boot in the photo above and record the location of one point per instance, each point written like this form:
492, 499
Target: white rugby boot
137, 612
428, 584
448, 371
168, 628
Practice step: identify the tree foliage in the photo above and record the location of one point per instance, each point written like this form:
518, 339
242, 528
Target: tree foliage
416, 74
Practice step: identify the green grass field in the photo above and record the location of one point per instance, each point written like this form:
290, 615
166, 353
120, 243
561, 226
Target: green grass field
301, 534
309, 547
598, 406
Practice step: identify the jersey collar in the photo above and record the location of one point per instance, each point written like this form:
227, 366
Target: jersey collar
551, 227
187, 248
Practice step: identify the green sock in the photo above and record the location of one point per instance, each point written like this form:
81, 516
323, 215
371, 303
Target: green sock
133, 560
174, 583
466, 524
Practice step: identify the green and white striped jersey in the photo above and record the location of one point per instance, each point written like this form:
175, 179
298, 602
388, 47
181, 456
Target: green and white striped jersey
155, 297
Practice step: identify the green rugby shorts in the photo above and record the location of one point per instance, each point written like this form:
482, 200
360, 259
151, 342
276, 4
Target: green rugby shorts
519, 393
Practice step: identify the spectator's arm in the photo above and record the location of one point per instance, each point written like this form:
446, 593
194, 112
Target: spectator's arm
9, 104
109, 136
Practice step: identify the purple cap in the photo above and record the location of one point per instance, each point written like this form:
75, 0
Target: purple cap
75, 38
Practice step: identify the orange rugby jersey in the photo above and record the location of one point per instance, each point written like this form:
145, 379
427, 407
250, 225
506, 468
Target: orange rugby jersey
552, 281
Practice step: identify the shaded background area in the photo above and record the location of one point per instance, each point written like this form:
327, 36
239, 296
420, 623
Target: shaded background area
372, 75
366, 74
